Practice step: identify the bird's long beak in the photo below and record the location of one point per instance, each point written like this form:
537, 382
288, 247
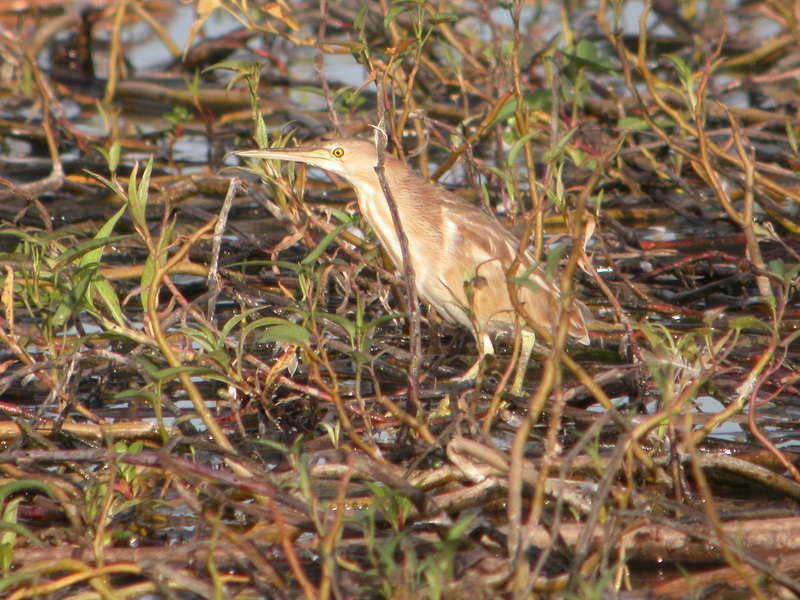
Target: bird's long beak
319, 157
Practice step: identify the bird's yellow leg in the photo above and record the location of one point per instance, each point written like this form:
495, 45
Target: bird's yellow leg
484, 347
472, 372
528, 341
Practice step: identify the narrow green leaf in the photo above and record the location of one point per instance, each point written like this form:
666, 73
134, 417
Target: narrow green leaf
396, 10
147, 278
633, 123
138, 217
360, 17
112, 185
558, 149
272, 322
234, 321
287, 333
109, 297
94, 248
324, 243
144, 185
791, 137
443, 17
272, 444
537, 101
382, 320
342, 322
13, 581
457, 531
129, 394
71, 301
171, 373
516, 148
102, 236
23, 485
749, 323
584, 56
113, 156
778, 267
683, 71
504, 175
22, 531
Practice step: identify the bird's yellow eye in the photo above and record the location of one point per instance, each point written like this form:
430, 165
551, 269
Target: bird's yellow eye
338, 152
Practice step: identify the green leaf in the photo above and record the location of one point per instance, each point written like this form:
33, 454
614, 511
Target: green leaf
557, 150
516, 148
92, 248
13, 581
360, 17
268, 322
383, 320
23, 485
219, 357
633, 123
136, 447
525, 282
457, 531
144, 185
749, 323
249, 70
71, 301
443, 17
112, 185
396, 10
287, 333
22, 531
778, 268
262, 137
109, 297
171, 373
537, 101
584, 56
137, 211
342, 322
234, 321
113, 156
680, 66
150, 397
148, 272
102, 237
791, 137
502, 174
324, 243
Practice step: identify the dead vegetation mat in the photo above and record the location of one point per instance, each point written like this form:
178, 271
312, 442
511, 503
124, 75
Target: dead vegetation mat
210, 382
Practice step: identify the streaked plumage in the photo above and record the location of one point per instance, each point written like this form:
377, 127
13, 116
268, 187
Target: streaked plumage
456, 249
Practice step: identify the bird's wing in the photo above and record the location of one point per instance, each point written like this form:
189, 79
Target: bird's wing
486, 253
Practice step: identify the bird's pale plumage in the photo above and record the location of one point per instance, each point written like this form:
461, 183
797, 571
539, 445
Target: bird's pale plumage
460, 254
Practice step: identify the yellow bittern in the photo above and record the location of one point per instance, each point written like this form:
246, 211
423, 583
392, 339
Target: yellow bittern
460, 254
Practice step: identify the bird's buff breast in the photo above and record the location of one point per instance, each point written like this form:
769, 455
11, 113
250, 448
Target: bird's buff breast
440, 279
375, 210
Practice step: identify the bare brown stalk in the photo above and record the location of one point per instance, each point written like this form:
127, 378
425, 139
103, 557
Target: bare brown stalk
408, 270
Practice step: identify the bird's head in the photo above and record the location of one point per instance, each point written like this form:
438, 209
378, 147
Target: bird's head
352, 159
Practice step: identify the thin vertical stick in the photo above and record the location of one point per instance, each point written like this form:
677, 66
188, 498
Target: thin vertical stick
318, 67
415, 333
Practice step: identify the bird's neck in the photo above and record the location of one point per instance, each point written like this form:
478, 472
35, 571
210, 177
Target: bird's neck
417, 207
373, 206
